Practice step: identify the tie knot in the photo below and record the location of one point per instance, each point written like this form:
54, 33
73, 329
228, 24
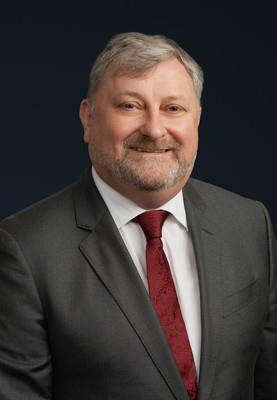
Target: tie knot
151, 223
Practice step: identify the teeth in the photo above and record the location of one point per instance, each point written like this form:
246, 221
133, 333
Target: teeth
150, 151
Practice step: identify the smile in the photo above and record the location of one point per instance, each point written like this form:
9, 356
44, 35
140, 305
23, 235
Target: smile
149, 150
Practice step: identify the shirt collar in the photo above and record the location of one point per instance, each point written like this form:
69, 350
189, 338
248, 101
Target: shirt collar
124, 210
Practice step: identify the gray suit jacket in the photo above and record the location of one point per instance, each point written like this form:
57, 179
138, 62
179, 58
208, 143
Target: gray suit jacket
76, 322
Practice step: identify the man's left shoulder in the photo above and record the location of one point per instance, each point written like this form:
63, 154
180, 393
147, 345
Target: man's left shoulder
211, 192
223, 204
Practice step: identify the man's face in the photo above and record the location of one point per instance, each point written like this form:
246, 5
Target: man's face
142, 132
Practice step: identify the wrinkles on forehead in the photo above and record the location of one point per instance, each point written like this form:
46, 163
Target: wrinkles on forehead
133, 86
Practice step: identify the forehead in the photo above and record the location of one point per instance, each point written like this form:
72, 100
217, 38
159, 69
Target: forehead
168, 77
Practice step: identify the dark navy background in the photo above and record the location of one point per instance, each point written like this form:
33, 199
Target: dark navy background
46, 55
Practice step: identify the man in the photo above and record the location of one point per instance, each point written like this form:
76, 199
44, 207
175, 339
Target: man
102, 299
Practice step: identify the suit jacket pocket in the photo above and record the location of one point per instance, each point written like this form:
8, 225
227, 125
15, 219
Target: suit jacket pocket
242, 298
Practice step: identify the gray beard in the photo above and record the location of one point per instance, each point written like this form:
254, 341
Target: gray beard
135, 177
122, 169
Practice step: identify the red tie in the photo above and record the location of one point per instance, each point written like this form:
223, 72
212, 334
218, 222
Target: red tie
163, 296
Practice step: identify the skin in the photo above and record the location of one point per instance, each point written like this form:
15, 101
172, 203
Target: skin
142, 132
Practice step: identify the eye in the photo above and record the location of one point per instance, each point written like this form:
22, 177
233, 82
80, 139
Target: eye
174, 108
129, 106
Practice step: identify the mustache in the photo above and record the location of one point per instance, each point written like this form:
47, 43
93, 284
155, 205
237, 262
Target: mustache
151, 145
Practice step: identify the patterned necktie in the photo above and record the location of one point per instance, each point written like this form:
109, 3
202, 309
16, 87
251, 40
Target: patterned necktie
164, 299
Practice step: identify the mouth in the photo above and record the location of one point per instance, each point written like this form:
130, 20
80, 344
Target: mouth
145, 150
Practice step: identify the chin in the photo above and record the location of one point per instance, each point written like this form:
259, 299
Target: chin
151, 184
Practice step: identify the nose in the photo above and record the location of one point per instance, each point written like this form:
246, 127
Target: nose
153, 126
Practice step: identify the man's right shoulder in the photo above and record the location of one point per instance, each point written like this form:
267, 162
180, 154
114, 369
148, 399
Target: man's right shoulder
47, 214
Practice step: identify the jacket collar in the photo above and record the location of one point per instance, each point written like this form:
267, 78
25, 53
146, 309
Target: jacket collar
104, 244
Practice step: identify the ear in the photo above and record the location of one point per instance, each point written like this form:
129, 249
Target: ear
85, 117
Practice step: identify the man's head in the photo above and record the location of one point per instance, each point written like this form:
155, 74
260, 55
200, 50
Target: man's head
141, 116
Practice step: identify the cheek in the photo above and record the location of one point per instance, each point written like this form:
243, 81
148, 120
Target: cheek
118, 130
187, 137
106, 137
189, 144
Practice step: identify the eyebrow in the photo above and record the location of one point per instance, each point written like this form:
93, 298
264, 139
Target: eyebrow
177, 97
139, 96
130, 93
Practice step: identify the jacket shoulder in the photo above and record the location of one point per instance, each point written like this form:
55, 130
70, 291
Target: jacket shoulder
210, 192
224, 205
53, 212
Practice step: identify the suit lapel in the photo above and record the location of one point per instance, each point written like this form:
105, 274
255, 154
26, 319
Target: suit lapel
108, 257
207, 251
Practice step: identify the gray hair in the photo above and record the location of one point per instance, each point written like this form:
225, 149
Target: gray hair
134, 53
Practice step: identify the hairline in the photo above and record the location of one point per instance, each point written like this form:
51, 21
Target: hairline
114, 71
133, 54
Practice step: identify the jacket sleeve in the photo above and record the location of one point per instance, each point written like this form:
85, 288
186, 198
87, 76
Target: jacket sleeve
25, 361
266, 367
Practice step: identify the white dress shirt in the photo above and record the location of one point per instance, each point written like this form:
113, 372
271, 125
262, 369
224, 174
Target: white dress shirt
177, 246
